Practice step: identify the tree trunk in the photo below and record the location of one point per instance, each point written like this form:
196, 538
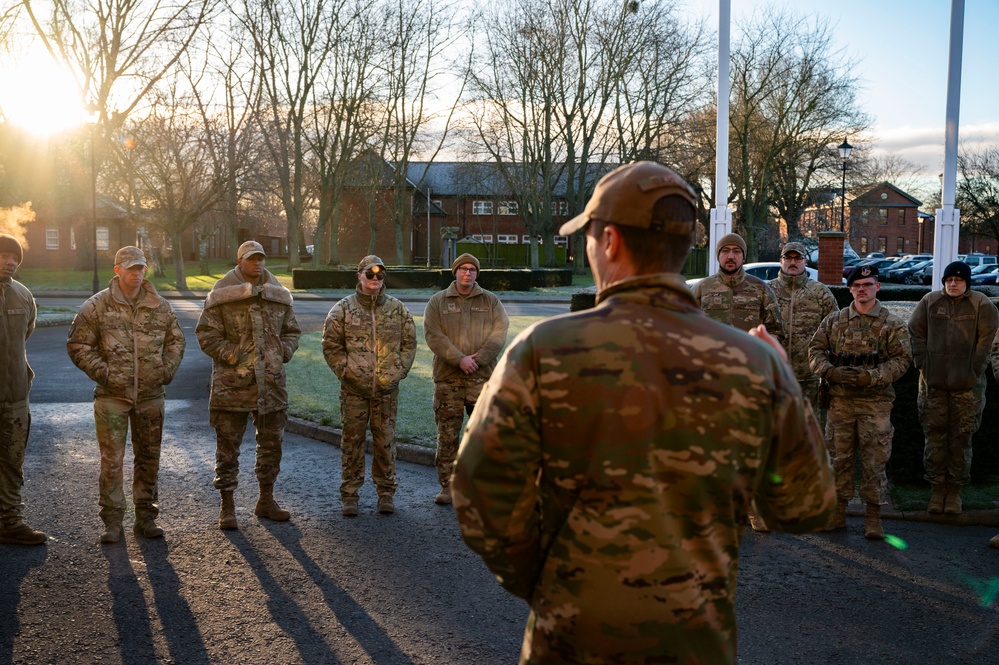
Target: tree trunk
178, 260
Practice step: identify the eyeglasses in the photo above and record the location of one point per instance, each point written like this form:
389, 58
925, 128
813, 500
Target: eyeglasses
380, 275
793, 259
463, 269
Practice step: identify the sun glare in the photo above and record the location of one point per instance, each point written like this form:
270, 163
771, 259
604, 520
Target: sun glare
38, 96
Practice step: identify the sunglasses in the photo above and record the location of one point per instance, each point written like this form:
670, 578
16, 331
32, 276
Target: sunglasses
380, 275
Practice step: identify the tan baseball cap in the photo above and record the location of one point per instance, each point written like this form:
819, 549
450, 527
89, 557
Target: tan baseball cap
626, 196
368, 261
794, 247
126, 257
249, 248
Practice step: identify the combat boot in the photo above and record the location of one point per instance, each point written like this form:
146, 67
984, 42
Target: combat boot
112, 533
756, 522
838, 520
386, 506
872, 523
267, 507
994, 542
937, 498
22, 534
146, 527
952, 501
227, 513
349, 507
443, 497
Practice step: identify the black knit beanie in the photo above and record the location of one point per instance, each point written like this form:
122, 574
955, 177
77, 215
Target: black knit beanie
957, 269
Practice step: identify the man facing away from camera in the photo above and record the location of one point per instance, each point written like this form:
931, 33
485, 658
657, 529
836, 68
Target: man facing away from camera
609, 464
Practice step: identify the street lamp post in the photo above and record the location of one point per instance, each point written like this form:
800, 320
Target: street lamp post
93, 117
844, 154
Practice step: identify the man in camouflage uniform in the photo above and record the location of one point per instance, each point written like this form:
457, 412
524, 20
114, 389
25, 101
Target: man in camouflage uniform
734, 297
248, 327
607, 468
369, 341
861, 350
465, 327
803, 304
127, 339
952, 332
17, 322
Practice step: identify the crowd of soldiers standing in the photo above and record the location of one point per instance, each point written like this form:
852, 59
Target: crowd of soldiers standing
127, 339
846, 361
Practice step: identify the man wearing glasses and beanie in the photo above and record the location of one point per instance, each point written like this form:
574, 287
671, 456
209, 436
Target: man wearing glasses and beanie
249, 329
465, 327
369, 341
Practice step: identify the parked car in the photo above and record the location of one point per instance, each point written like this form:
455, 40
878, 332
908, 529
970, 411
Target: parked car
924, 275
904, 274
901, 269
875, 255
977, 259
985, 275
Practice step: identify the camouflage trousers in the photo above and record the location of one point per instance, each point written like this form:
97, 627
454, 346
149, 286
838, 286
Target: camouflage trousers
949, 419
810, 389
356, 412
452, 400
15, 423
229, 429
860, 426
112, 417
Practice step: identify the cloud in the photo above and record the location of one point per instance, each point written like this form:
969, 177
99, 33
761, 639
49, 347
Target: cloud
925, 145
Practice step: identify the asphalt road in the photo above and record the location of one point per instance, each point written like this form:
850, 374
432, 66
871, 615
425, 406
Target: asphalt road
401, 589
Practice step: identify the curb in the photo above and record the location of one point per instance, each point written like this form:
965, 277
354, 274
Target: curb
406, 452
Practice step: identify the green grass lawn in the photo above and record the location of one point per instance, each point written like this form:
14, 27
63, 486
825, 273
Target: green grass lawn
314, 391
981, 496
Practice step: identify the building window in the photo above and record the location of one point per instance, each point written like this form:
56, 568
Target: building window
482, 207
882, 244
901, 216
481, 238
883, 216
560, 208
900, 246
103, 238
51, 238
507, 208
506, 239
863, 245
561, 241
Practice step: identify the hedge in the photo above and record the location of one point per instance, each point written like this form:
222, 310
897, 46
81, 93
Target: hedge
508, 279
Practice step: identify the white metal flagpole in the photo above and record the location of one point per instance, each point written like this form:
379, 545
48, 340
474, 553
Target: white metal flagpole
947, 226
721, 216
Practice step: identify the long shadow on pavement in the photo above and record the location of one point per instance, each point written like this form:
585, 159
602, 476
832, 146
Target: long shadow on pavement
131, 614
180, 627
287, 614
20, 561
352, 616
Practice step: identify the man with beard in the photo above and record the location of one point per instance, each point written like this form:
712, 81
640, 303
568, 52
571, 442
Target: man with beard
731, 296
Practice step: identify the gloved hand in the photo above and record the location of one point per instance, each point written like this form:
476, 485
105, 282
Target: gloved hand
838, 375
864, 378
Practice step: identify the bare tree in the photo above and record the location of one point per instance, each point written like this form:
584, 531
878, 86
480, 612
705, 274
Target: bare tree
793, 99
870, 170
292, 41
978, 190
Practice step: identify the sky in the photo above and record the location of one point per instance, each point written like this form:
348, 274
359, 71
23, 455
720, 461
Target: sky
902, 48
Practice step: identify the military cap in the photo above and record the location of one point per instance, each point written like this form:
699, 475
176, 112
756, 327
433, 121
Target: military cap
126, 257
627, 195
368, 261
10, 245
462, 260
957, 269
793, 247
249, 248
731, 239
861, 272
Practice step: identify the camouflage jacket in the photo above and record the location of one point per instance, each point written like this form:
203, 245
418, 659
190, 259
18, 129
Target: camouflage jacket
369, 343
607, 468
803, 304
250, 332
130, 351
877, 341
952, 338
740, 300
456, 326
17, 322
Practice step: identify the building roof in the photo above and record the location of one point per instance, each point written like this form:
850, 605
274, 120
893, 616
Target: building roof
478, 178
862, 200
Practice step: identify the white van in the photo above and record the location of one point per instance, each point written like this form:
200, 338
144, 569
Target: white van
977, 259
